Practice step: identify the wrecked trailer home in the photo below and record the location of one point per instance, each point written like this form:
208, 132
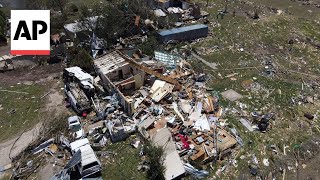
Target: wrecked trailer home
78, 29
172, 161
186, 33
6, 63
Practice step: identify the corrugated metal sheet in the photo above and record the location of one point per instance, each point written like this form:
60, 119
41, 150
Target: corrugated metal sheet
172, 161
184, 33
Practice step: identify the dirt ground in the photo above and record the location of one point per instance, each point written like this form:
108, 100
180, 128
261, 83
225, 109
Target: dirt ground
55, 102
48, 170
311, 170
28, 72
49, 75
31, 74
15, 146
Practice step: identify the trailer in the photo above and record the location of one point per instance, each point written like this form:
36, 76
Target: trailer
89, 165
186, 33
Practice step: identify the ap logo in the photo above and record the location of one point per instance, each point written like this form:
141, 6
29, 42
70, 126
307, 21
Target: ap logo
30, 32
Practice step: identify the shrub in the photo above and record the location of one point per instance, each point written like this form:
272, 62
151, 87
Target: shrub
155, 157
83, 60
72, 8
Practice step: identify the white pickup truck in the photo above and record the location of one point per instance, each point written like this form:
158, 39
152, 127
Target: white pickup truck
89, 165
75, 127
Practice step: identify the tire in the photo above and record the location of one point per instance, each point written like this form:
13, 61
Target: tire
71, 74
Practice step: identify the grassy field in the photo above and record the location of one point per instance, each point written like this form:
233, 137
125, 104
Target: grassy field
242, 45
124, 163
19, 108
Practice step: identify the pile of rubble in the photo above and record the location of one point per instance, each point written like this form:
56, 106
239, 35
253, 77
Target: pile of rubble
184, 120
186, 123
142, 96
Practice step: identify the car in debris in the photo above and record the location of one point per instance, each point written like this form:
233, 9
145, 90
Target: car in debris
89, 165
75, 127
79, 89
6, 63
77, 99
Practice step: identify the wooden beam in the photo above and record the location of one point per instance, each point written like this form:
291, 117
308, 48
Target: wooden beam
147, 70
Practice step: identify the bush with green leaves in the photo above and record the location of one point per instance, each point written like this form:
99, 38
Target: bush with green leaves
3, 39
116, 18
72, 8
155, 158
82, 59
149, 45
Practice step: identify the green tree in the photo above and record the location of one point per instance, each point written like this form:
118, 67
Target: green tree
44, 4
82, 59
84, 12
112, 23
2, 21
57, 22
155, 157
3, 39
117, 17
72, 8
149, 45
37, 4
58, 4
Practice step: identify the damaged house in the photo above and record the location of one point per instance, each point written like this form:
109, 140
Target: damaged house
170, 3
122, 75
118, 77
83, 32
177, 10
79, 29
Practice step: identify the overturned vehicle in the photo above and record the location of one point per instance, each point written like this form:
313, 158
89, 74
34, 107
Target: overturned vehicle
78, 89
